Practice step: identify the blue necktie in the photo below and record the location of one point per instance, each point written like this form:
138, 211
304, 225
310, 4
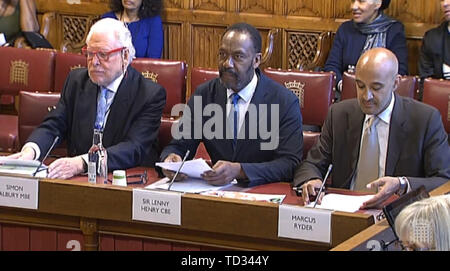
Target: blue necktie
234, 99
101, 109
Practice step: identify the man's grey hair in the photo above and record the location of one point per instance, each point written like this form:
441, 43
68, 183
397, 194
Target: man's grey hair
121, 32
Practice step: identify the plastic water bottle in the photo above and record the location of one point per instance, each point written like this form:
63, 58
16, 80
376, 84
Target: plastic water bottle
98, 159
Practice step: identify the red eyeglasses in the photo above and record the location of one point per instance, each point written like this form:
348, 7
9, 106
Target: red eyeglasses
104, 56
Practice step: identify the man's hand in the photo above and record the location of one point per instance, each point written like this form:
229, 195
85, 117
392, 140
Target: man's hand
169, 173
309, 190
387, 186
65, 168
223, 173
26, 154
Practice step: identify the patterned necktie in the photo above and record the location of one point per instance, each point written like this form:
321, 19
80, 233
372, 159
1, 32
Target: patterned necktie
101, 109
369, 156
235, 99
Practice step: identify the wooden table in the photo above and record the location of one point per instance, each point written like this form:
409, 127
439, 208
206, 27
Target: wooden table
74, 214
374, 236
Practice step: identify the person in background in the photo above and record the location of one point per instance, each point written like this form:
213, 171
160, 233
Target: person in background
142, 17
379, 142
17, 16
369, 28
425, 224
110, 95
435, 51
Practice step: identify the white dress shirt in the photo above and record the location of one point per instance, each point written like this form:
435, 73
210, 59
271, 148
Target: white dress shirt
246, 95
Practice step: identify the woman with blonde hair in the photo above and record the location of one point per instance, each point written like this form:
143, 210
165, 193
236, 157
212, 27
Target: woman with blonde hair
425, 224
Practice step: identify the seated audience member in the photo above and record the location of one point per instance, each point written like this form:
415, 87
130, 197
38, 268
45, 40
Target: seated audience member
251, 126
17, 16
435, 51
133, 112
142, 17
379, 141
369, 28
425, 224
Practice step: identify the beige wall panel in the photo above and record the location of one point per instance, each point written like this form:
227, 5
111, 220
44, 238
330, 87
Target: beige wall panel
205, 44
214, 5
310, 8
173, 45
257, 6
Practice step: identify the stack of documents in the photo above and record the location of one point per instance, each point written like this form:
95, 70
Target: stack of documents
192, 168
190, 185
22, 167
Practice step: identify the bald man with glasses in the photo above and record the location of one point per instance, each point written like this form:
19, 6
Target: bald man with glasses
130, 113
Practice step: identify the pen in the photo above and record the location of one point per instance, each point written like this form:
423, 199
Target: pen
323, 184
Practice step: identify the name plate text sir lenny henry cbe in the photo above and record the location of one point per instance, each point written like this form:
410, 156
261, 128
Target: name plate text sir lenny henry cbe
157, 206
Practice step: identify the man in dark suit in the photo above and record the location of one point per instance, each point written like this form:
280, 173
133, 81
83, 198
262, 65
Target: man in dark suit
435, 51
411, 149
265, 114
134, 107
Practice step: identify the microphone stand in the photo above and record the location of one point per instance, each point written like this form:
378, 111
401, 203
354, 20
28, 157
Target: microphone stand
46, 155
179, 169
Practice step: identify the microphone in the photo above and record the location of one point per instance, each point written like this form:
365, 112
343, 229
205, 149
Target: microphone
323, 184
45, 157
176, 173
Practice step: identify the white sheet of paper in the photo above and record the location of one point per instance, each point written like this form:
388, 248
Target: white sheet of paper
23, 170
344, 203
192, 168
190, 185
16, 162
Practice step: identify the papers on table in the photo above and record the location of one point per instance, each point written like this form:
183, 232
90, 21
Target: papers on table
190, 185
344, 203
22, 167
192, 168
246, 196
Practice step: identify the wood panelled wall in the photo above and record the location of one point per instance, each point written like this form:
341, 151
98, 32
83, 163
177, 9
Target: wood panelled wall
192, 28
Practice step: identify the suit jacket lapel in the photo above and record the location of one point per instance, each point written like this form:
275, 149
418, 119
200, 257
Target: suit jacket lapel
257, 99
397, 135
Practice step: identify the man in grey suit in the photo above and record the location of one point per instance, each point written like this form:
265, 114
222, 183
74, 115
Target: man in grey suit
133, 108
411, 149
255, 156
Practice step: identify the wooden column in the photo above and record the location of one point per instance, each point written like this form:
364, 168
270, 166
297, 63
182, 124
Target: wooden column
90, 233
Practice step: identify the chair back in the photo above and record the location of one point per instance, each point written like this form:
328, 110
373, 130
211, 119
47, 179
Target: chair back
200, 75
171, 74
25, 69
64, 64
33, 107
408, 86
313, 89
436, 92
